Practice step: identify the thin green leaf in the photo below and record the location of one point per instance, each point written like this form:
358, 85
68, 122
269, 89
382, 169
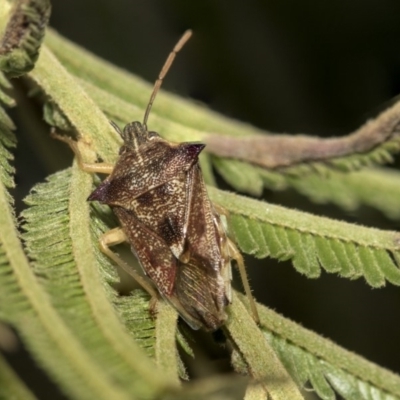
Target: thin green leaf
76, 105
74, 281
304, 260
378, 188
241, 176
23, 35
318, 381
25, 305
263, 364
166, 351
309, 357
134, 312
311, 241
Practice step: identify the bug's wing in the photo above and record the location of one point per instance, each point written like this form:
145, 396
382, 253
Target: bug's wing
202, 283
203, 239
189, 287
196, 292
153, 184
164, 211
155, 257
137, 172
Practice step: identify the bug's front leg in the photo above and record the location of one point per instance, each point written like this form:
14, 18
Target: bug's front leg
99, 168
117, 236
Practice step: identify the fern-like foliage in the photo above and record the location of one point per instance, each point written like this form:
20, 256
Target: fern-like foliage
50, 243
374, 187
22, 37
23, 303
322, 377
312, 242
7, 138
58, 290
326, 371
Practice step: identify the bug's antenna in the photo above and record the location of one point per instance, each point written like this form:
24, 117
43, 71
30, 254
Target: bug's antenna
185, 37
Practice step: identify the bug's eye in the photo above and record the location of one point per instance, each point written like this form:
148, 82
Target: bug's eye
151, 135
122, 150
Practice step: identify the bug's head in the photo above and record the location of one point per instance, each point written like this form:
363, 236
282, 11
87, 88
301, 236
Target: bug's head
134, 135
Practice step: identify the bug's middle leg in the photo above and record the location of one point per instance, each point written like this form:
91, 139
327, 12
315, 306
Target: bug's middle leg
116, 236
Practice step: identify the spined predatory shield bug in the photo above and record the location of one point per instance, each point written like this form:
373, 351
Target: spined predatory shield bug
156, 190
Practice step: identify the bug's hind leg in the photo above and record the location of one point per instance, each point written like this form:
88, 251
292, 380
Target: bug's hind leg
234, 254
237, 256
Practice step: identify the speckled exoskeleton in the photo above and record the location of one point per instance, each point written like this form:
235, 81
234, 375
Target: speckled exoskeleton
157, 191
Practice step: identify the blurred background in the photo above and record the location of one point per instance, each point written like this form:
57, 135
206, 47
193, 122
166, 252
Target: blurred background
320, 68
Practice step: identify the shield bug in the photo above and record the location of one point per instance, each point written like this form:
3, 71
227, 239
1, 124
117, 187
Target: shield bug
157, 191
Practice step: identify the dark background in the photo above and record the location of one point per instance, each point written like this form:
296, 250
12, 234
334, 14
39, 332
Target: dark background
320, 68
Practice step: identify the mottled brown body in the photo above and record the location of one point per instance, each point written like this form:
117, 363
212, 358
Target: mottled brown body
157, 192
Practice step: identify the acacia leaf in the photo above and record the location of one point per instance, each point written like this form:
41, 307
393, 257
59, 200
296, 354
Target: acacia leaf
312, 242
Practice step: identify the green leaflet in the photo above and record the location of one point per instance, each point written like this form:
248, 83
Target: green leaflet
49, 222
243, 177
376, 187
25, 305
260, 229
312, 242
134, 312
7, 138
317, 362
380, 155
323, 377
23, 35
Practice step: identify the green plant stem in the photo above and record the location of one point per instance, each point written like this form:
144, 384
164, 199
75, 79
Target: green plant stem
306, 222
43, 312
329, 351
166, 351
81, 111
106, 318
264, 365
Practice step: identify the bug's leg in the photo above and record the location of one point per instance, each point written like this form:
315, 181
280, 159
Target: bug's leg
116, 236
100, 168
237, 256
220, 210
